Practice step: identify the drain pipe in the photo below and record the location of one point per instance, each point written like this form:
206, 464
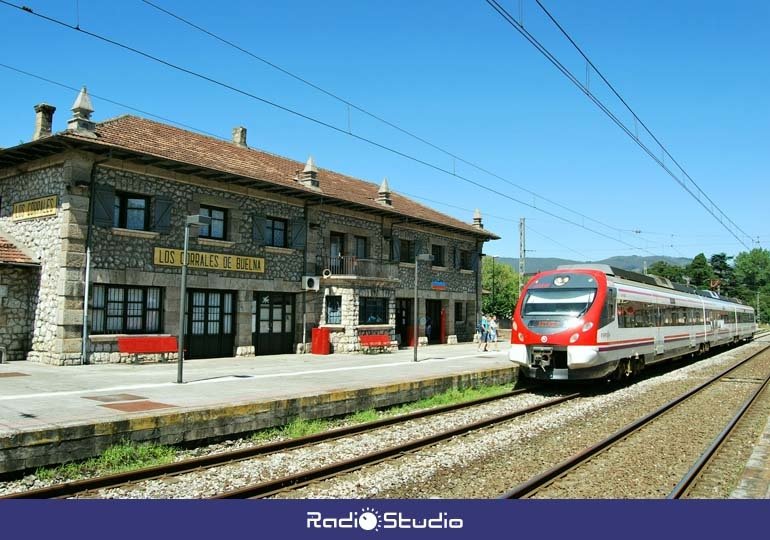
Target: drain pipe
87, 294
3, 356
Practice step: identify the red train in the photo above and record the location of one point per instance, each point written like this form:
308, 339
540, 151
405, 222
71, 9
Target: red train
599, 322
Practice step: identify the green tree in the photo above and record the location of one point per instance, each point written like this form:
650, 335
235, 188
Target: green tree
501, 287
700, 273
663, 269
723, 274
752, 280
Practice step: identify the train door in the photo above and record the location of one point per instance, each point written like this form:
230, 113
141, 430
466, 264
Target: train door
659, 329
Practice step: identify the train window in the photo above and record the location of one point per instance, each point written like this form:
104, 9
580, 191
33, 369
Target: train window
608, 314
559, 302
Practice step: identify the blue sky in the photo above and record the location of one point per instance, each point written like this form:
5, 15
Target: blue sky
456, 74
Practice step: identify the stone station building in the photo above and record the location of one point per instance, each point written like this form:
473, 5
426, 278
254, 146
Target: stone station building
96, 216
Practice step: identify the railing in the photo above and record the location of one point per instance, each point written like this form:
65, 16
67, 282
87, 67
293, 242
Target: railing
348, 265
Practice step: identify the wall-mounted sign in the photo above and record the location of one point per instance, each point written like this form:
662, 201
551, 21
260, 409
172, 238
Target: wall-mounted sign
35, 208
212, 261
438, 285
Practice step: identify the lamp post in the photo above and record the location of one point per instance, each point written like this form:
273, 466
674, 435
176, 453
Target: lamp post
190, 220
494, 305
417, 259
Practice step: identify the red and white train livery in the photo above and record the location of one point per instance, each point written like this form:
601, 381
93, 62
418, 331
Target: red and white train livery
597, 321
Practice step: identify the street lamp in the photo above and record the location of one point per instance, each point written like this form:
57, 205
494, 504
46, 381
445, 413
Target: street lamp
422, 257
191, 220
494, 305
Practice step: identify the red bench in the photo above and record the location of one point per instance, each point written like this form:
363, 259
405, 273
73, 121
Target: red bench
374, 341
147, 344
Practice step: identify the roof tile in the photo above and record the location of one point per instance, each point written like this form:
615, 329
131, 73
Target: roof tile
168, 142
10, 254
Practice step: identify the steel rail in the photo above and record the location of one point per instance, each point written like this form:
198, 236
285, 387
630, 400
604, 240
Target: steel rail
69, 489
531, 486
688, 480
272, 487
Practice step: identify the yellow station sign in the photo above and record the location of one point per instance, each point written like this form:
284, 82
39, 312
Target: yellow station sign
212, 261
35, 208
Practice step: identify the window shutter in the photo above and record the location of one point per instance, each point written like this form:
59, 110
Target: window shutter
456, 257
395, 249
298, 234
259, 230
475, 261
104, 205
162, 214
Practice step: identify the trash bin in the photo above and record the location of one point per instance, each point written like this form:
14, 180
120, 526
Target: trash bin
320, 343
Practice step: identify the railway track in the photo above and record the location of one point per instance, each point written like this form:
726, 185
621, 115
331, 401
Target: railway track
568, 478
691, 480
274, 487
90, 486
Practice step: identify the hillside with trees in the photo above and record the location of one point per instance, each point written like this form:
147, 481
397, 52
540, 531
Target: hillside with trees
745, 276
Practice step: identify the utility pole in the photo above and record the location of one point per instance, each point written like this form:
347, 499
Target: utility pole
522, 255
493, 284
758, 317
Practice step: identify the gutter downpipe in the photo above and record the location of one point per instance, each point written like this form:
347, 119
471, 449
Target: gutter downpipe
304, 270
87, 294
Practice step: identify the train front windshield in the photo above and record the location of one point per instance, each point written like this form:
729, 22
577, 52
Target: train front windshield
558, 302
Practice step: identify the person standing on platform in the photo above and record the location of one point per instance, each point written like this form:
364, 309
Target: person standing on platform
493, 326
483, 332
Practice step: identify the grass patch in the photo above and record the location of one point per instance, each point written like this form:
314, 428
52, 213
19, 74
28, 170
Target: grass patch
449, 397
121, 457
130, 456
301, 427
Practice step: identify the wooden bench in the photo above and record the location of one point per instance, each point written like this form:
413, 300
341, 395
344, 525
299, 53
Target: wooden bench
374, 341
147, 344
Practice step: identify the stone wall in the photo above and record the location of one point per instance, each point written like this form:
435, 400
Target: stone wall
42, 238
18, 295
125, 257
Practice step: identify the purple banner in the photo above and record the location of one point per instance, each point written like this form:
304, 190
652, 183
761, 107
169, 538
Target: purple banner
190, 520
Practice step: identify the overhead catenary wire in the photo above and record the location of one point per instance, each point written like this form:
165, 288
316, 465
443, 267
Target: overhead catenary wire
108, 100
637, 121
501, 218
410, 195
582, 253
635, 116
349, 105
198, 130
309, 118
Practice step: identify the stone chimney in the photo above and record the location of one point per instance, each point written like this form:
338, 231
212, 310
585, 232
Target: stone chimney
43, 120
239, 136
383, 194
309, 175
81, 115
477, 219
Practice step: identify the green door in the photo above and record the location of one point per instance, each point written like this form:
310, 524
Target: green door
272, 323
210, 324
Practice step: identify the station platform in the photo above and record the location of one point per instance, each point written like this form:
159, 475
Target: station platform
52, 414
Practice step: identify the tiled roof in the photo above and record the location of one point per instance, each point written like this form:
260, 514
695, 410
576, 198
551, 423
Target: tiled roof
10, 254
168, 142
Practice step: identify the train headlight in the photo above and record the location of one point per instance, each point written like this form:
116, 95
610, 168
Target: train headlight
515, 326
574, 337
587, 326
521, 337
